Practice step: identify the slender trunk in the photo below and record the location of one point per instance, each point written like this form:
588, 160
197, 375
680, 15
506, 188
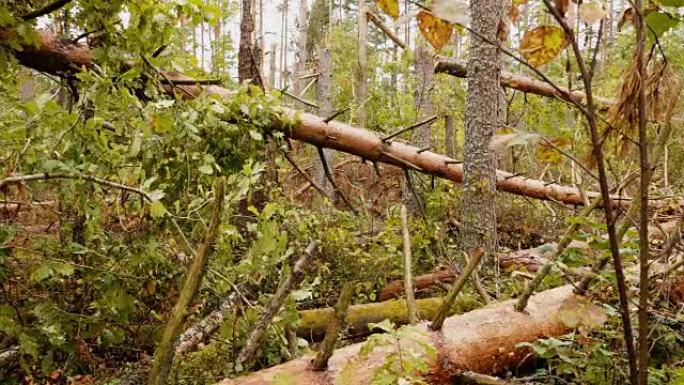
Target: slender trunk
324, 97
408, 269
645, 181
362, 88
273, 65
164, 354
450, 135
422, 101
300, 66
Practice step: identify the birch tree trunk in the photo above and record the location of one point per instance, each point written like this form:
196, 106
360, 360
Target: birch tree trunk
300, 66
478, 214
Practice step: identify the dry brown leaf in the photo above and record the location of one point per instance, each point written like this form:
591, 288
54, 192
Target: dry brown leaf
436, 31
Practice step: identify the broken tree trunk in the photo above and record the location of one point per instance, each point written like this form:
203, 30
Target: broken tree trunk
55, 56
533, 86
484, 341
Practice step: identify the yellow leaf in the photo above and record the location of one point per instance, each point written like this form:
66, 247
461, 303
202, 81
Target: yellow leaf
542, 44
436, 31
390, 7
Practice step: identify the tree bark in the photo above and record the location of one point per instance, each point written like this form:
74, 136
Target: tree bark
478, 214
450, 135
324, 97
247, 66
484, 341
362, 87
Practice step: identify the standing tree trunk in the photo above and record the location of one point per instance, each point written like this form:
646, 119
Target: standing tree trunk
450, 135
300, 66
272, 65
283, 46
422, 102
324, 97
478, 214
362, 89
246, 65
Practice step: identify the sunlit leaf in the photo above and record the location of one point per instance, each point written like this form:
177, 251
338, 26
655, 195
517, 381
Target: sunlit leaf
453, 11
542, 44
157, 209
592, 12
437, 31
390, 7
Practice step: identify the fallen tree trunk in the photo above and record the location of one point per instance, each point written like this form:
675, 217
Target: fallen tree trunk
521, 83
484, 341
55, 56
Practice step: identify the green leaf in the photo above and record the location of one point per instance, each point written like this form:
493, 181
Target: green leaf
387, 326
658, 23
206, 169
157, 209
672, 3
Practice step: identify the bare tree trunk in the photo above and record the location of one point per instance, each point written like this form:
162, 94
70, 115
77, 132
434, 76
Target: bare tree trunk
478, 214
283, 45
422, 101
450, 135
324, 97
273, 65
246, 60
408, 269
362, 89
300, 65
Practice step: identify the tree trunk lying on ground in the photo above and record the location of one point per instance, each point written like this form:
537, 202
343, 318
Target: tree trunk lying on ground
56, 56
484, 341
521, 83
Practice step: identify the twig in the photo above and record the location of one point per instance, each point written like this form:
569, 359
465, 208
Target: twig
388, 32
45, 10
414, 192
336, 114
246, 355
301, 100
306, 176
408, 274
455, 289
330, 177
67, 175
411, 127
192, 82
334, 328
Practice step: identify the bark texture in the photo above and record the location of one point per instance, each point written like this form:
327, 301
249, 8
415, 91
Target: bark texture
362, 87
478, 214
248, 69
450, 135
484, 341
324, 96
